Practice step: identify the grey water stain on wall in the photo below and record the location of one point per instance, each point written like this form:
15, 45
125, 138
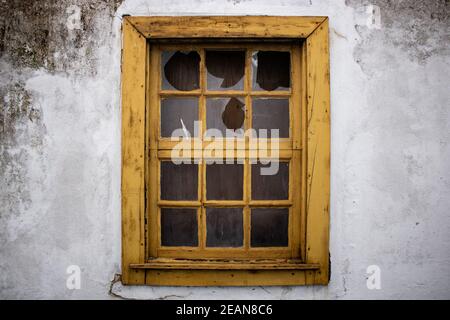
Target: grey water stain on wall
405, 64
421, 28
21, 128
38, 34
40, 37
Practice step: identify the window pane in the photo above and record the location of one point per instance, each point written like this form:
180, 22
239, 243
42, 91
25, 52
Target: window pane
224, 227
180, 70
225, 70
224, 113
224, 181
179, 182
269, 227
178, 113
271, 114
268, 186
271, 70
179, 227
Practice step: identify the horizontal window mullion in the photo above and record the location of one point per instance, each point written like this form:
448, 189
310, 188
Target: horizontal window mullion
283, 154
268, 94
224, 203
176, 203
225, 93
192, 93
225, 253
270, 203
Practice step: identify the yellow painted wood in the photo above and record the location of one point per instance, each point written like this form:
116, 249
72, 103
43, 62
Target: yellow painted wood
153, 98
174, 204
226, 26
228, 93
295, 103
171, 93
273, 264
133, 152
145, 225
247, 166
188, 44
224, 203
318, 146
153, 164
275, 94
152, 207
223, 253
295, 184
308, 148
304, 129
271, 203
226, 277
220, 145
201, 220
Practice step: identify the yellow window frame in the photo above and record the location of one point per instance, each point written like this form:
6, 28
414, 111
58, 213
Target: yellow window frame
140, 152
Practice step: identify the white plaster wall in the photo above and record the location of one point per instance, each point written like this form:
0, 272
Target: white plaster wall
390, 157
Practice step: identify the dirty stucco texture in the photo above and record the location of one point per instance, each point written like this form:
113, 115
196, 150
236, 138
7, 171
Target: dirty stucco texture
60, 147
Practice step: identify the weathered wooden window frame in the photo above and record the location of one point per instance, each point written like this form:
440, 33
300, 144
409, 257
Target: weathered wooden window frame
315, 105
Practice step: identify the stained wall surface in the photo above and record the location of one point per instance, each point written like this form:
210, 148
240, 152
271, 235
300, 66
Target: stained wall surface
60, 146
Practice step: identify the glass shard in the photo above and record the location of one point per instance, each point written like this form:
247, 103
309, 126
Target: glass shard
178, 113
225, 70
271, 70
180, 70
225, 113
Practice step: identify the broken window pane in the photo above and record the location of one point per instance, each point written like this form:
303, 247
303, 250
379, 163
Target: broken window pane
271, 70
225, 113
269, 227
271, 114
270, 187
179, 181
180, 70
224, 181
225, 70
224, 227
179, 227
178, 113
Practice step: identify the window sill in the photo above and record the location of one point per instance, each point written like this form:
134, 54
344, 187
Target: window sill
177, 264
274, 272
